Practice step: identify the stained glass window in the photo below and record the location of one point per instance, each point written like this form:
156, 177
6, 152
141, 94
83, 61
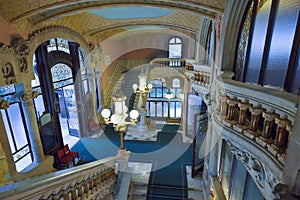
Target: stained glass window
7, 89
61, 75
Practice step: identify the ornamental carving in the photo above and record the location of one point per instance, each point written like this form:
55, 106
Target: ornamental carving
21, 51
255, 167
8, 73
3, 104
30, 94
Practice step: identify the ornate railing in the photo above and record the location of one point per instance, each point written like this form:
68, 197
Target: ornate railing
96, 180
263, 115
170, 62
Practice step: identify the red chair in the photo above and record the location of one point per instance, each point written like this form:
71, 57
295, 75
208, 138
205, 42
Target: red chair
64, 159
70, 153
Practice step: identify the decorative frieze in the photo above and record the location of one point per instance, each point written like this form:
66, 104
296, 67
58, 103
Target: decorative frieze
21, 48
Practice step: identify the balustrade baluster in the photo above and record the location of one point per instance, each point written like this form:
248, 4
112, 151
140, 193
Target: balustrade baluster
253, 131
232, 102
65, 193
281, 138
241, 125
266, 136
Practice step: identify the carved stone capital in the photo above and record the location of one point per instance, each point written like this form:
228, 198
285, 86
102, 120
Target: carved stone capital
232, 101
282, 122
244, 105
269, 116
255, 110
30, 94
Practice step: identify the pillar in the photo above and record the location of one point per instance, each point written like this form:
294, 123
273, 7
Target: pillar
32, 126
266, 136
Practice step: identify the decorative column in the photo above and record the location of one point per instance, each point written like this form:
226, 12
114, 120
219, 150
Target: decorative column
222, 107
232, 102
33, 130
266, 136
255, 116
7, 166
240, 126
281, 138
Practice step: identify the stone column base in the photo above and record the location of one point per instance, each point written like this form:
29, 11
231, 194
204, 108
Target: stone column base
229, 123
239, 128
263, 142
251, 134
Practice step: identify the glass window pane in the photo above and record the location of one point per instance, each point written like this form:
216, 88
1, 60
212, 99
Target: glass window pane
178, 109
61, 72
39, 105
226, 172
159, 109
258, 43
172, 109
165, 108
281, 43
252, 191
14, 113
23, 163
152, 109
176, 83
238, 181
10, 139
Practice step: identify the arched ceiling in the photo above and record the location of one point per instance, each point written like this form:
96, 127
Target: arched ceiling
97, 20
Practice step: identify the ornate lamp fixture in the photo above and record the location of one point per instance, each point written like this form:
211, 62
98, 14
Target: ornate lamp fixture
169, 96
118, 119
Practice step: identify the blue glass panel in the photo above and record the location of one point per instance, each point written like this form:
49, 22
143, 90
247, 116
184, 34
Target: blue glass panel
258, 43
238, 181
281, 43
8, 132
63, 45
252, 191
23, 163
296, 81
7, 89
14, 113
172, 109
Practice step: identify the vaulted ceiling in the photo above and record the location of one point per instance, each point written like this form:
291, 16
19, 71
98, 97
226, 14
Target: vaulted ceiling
97, 20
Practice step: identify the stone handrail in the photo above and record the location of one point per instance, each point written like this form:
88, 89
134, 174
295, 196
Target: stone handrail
271, 114
171, 62
95, 180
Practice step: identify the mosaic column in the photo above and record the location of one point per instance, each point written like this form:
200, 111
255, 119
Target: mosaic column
266, 136
241, 125
232, 102
5, 172
33, 130
281, 138
256, 112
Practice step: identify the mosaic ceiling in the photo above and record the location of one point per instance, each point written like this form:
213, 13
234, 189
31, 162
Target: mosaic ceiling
99, 19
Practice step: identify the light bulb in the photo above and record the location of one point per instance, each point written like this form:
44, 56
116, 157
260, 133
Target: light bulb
149, 86
134, 114
105, 113
116, 119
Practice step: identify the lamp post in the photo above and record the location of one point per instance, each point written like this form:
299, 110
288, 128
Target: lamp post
118, 119
169, 95
145, 89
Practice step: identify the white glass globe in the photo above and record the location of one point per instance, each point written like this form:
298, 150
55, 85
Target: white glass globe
105, 113
116, 119
149, 86
134, 114
134, 86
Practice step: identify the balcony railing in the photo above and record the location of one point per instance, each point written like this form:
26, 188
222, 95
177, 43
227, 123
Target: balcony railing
171, 62
263, 115
94, 180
